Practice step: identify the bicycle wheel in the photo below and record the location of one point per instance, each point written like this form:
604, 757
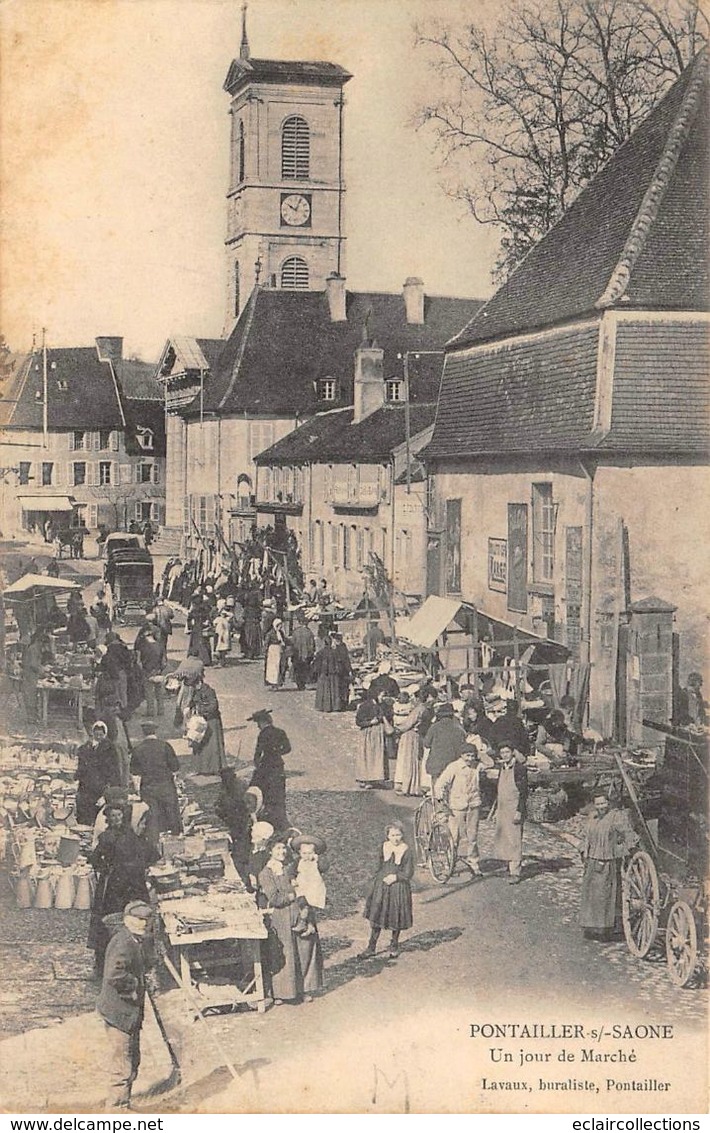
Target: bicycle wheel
441, 853
423, 822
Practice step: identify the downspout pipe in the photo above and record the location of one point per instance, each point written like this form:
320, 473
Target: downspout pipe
586, 651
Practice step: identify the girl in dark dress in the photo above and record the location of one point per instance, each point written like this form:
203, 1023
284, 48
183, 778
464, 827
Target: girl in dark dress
120, 860
389, 902
97, 768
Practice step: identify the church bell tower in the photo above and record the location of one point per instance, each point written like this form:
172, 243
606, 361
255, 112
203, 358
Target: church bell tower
285, 202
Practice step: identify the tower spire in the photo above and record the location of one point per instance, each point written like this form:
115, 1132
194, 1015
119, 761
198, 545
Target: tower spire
244, 47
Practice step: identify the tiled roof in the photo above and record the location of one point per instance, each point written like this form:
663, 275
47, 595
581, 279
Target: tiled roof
285, 341
332, 437
638, 233
16, 367
243, 71
525, 396
81, 392
661, 397
137, 379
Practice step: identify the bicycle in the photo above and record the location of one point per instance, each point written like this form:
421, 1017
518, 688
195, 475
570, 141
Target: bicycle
436, 847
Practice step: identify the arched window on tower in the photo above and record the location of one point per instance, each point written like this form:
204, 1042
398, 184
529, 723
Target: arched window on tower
294, 274
295, 149
242, 150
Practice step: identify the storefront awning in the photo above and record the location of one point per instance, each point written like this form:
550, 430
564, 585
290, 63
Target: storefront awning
437, 614
47, 503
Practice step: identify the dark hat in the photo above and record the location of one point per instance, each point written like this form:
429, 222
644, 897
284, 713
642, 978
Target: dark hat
445, 710
261, 714
138, 909
149, 727
115, 796
309, 840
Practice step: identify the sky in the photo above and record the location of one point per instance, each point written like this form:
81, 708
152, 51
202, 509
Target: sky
114, 160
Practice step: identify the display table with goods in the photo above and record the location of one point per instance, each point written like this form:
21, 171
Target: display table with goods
47, 852
211, 926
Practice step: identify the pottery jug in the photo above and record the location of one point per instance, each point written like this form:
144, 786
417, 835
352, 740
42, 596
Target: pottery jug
44, 896
64, 893
83, 892
23, 891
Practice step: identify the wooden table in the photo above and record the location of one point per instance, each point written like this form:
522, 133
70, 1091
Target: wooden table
245, 928
71, 694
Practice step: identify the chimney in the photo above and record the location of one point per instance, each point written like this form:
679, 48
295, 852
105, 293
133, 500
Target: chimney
369, 384
335, 294
109, 349
413, 292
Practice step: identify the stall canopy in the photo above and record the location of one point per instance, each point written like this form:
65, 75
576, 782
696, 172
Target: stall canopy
47, 503
32, 582
439, 614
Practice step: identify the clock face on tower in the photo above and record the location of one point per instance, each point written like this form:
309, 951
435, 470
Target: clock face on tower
296, 210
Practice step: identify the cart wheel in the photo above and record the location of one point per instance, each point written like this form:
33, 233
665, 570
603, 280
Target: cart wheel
423, 822
441, 853
681, 944
640, 904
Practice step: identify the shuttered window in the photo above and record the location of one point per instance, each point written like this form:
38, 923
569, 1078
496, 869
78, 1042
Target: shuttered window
543, 515
294, 274
295, 149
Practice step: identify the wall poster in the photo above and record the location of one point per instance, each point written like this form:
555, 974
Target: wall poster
453, 546
498, 565
518, 558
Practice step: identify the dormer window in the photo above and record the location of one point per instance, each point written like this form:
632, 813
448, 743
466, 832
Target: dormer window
394, 390
328, 389
62, 385
145, 438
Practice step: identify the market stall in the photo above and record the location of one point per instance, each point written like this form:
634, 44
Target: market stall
457, 640
38, 602
211, 926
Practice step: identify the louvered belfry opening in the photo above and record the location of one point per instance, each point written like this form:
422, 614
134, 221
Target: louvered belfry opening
295, 149
294, 274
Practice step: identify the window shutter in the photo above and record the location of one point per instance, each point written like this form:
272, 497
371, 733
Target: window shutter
93, 520
91, 474
70, 439
137, 511
113, 440
156, 473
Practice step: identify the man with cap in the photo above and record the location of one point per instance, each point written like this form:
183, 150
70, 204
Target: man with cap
508, 728
121, 1001
155, 762
303, 645
458, 787
269, 771
445, 740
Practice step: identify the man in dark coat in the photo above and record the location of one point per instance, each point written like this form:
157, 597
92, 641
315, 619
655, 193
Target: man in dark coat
156, 762
303, 645
269, 771
150, 654
121, 1001
445, 740
509, 729
345, 669
97, 768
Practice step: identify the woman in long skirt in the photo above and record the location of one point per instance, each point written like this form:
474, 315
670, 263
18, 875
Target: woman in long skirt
389, 902
609, 837
274, 649
370, 762
325, 667
295, 964
510, 812
407, 778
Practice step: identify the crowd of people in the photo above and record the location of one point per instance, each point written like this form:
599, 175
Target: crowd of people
430, 737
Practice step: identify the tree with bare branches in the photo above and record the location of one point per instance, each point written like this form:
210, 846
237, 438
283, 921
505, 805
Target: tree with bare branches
530, 107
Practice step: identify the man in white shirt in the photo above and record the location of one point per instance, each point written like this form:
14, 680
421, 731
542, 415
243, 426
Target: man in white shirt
459, 788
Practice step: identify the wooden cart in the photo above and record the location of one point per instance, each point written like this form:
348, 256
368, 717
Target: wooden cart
665, 887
